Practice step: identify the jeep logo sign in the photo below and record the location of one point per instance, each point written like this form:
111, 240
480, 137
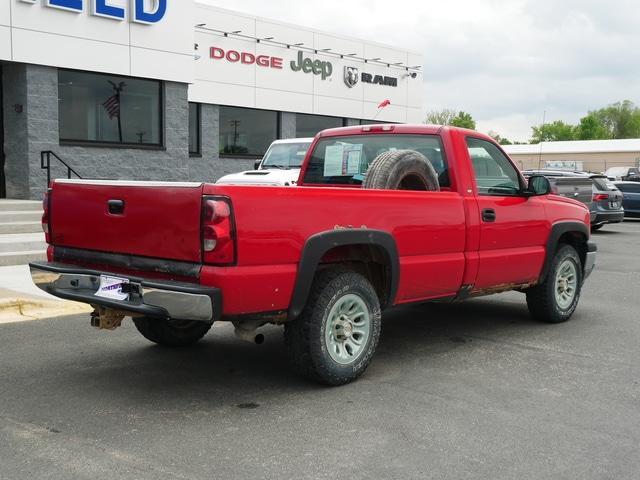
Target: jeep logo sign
142, 11
317, 67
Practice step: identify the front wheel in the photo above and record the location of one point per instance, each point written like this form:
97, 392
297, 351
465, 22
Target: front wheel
335, 337
555, 299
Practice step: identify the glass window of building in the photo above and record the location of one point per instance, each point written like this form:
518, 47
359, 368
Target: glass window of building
373, 122
246, 131
310, 125
96, 108
194, 129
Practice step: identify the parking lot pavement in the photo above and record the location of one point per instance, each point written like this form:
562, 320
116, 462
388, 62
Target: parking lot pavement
473, 390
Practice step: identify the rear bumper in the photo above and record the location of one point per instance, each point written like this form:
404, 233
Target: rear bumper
608, 217
153, 298
590, 259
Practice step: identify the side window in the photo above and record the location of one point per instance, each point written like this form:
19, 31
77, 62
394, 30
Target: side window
495, 174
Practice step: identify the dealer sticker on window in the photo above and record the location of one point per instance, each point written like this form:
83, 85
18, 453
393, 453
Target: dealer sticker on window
111, 287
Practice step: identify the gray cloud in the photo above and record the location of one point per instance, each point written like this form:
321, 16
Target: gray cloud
505, 62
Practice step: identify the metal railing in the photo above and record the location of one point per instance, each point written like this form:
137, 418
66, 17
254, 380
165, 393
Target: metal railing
45, 164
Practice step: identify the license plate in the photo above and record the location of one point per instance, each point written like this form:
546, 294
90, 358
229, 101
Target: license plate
615, 204
111, 287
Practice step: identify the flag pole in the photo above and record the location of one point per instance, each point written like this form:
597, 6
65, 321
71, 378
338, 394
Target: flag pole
118, 89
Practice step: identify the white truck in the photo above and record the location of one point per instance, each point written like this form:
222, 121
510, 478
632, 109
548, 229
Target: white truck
280, 166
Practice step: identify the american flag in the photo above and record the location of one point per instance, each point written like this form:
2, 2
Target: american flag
112, 106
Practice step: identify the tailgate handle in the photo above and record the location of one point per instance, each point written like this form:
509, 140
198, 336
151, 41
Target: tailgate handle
116, 207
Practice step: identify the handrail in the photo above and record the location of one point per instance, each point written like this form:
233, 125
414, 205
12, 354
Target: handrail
45, 164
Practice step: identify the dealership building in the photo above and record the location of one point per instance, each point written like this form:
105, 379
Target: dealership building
176, 89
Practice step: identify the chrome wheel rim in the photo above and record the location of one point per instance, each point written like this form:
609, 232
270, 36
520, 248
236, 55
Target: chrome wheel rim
566, 284
348, 329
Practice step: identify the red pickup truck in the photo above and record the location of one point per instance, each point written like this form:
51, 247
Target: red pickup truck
384, 215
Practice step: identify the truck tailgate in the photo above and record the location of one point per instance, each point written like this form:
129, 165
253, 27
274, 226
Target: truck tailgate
159, 220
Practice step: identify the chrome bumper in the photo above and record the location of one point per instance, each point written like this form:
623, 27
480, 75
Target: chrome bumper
590, 259
153, 298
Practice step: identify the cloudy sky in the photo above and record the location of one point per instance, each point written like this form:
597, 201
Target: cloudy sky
503, 61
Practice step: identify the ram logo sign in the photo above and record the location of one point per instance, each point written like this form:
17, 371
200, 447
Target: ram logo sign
141, 11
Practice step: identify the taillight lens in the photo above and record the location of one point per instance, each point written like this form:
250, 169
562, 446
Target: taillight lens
218, 231
599, 197
45, 217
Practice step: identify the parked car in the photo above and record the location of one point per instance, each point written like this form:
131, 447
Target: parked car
607, 202
621, 173
280, 166
575, 185
630, 198
373, 224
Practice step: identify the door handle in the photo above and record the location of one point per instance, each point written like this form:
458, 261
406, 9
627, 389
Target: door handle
116, 207
489, 215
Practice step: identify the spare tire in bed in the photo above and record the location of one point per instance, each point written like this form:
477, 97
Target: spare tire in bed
401, 170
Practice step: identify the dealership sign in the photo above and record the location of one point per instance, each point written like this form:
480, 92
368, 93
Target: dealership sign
317, 67
302, 64
247, 58
142, 11
351, 77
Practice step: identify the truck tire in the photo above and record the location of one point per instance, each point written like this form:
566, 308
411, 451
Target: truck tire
555, 299
171, 333
335, 337
401, 170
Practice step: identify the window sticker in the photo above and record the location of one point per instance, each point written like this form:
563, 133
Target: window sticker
353, 161
333, 156
342, 160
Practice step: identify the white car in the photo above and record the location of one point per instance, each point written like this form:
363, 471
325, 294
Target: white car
280, 166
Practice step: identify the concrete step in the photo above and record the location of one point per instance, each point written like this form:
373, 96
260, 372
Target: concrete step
20, 216
20, 227
19, 242
20, 205
21, 258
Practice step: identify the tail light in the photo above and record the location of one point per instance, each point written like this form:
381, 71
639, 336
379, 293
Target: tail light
45, 217
599, 197
378, 128
218, 231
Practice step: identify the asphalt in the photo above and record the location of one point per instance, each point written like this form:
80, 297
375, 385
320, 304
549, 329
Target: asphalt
473, 390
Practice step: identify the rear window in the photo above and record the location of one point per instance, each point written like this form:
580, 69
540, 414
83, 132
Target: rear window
345, 160
603, 183
628, 187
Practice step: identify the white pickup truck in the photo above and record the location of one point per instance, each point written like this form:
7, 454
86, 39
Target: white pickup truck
280, 166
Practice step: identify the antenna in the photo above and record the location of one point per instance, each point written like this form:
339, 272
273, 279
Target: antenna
544, 119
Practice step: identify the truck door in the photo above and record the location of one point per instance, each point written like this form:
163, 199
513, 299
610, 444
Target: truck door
513, 228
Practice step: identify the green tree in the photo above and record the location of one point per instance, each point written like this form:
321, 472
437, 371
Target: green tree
553, 132
464, 120
441, 117
621, 119
591, 127
501, 140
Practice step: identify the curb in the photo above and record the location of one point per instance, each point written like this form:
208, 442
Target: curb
21, 308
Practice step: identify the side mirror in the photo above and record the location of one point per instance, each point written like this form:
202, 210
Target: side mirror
538, 185
256, 164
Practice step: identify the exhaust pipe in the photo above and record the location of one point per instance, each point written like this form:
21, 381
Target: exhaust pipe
246, 330
250, 336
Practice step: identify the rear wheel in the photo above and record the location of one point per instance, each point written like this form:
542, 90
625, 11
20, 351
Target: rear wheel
171, 333
555, 299
336, 335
